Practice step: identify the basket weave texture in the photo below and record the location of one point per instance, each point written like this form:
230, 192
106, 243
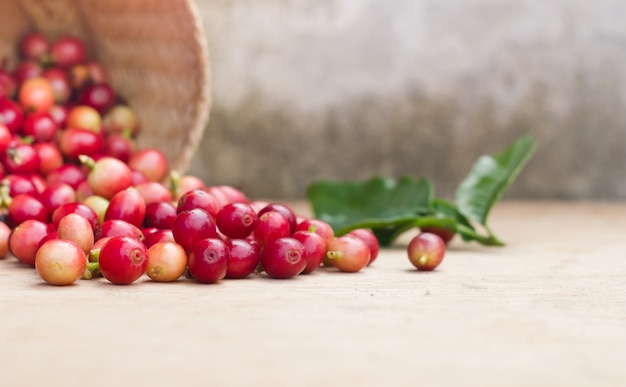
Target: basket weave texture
155, 54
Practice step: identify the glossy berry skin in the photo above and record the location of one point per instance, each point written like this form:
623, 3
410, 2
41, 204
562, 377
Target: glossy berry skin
50, 157
236, 220
19, 185
314, 247
160, 215
319, 227
25, 240
20, 159
75, 142
8, 84
76, 208
60, 83
83, 192
118, 227
151, 162
56, 195
370, 239
27, 69
443, 233
121, 119
283, 258
36, 95
138, 177
97, 203
60, 262
123, 260
99, 97
158, 236
426, 251
59, 114
270, 226
84, 117
127, 205
219, 195
99, 243
148, 230
243, 258
68, 51
51, 235
40, 126
109, 176
38, 181
67, 173
198, 198
25, 207
232, 194
119, 146
5, 234
167, 261
11, 114
5, 137
208, 260
348, 253
185, 184
191, 226
285, 211
152, 192
33, 45
76, 229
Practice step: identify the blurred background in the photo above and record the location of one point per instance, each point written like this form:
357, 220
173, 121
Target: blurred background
348, 89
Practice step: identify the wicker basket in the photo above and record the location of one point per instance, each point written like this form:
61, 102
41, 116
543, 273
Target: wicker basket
154, 51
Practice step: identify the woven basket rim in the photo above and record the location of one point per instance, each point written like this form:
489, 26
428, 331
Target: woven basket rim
192, 101
205, 101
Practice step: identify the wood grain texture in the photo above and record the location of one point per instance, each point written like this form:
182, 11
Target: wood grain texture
548, 309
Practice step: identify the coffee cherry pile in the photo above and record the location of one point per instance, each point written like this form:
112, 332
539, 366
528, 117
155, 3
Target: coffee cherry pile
79, 200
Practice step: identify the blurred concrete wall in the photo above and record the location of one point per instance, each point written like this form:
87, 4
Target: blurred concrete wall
347, 89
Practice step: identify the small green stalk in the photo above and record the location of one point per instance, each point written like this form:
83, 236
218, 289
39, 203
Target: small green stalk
92, 268
87, 161
174, 183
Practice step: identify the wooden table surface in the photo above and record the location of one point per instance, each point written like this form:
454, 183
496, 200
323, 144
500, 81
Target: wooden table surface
548, 309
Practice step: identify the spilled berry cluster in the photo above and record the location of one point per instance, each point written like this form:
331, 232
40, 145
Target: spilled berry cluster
79, 200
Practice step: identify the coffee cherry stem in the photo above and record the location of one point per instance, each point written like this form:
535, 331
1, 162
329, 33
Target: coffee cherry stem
92, 269
174, 183
14, 156
87, 161
5, 194
87, 275
6, 201
94, 256
93, 266
29, 140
